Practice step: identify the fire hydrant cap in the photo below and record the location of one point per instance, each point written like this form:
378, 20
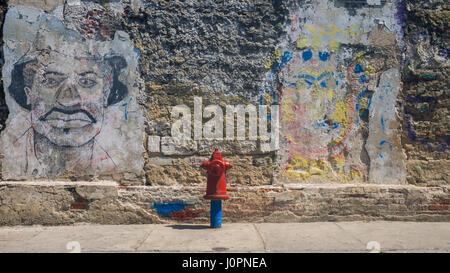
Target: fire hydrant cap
216, 155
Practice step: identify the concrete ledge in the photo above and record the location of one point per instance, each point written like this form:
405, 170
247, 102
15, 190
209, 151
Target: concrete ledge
107, 202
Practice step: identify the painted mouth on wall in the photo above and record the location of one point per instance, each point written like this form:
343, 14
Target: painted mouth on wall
68, 119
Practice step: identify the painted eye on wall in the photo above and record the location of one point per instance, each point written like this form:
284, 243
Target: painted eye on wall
87, 82
52, 79
49, 82
307, 55
324, 56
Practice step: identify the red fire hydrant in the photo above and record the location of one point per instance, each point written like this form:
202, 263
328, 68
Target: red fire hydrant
216, 188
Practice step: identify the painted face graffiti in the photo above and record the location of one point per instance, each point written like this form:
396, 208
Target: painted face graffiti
315, 106
72, 101
67, 102
66, 105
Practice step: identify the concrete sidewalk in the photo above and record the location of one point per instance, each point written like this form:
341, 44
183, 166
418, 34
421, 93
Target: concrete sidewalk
261, 237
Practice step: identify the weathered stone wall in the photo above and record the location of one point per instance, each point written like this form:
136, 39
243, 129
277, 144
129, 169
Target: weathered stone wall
214, 50
359, 90
425, 94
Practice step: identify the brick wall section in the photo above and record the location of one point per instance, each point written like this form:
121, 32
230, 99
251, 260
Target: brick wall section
60, 203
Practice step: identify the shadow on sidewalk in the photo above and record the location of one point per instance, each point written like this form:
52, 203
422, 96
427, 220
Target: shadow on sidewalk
189, 227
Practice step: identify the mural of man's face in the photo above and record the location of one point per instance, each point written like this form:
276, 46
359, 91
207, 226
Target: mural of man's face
68, 97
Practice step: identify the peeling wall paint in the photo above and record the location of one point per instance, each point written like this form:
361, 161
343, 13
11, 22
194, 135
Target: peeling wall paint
387, 159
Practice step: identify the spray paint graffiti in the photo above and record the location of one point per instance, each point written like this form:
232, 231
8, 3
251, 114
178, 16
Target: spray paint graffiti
327, 91
363, 101
316, 37
322, 101
319, 114
166, 208
176, 210
383, 145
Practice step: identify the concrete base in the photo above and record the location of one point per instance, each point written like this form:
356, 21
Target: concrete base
105, 202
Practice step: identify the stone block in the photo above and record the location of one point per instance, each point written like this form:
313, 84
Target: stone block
178, 146
226, 147
153, 144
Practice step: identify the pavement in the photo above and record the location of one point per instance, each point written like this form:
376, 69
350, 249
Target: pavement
328, 237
